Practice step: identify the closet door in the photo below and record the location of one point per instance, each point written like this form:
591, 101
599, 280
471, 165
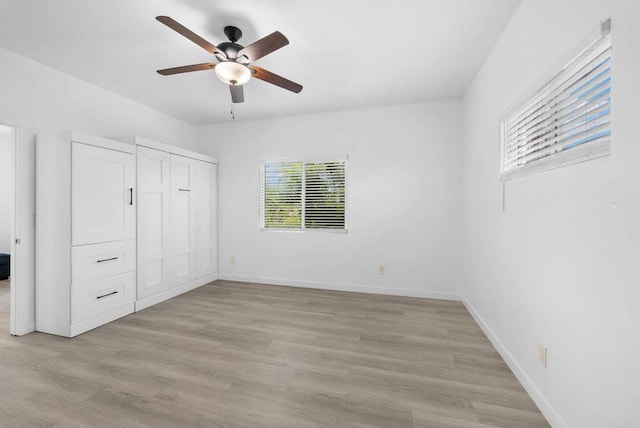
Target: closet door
183, 219
154, 213
102, 187
206, 221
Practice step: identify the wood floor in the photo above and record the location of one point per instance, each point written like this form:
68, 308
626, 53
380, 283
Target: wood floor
243, 355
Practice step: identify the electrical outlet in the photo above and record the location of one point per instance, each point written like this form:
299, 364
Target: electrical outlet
542, 355
380, 270
232, 260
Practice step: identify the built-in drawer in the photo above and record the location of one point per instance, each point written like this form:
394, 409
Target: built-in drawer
95, 261
93, 298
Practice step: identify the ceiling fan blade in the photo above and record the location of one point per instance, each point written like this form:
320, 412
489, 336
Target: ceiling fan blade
237, 93
267, 76
181, 29
186, 68
264, 46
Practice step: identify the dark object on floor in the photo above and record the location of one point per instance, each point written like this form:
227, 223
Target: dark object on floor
4, 266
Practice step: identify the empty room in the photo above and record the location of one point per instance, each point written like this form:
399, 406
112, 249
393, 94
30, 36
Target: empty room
346, 214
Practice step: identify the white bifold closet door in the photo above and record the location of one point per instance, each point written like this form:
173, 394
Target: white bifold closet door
155, 271
183, 217
206, 212
102, 206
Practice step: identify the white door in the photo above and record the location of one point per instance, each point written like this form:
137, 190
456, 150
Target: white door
154, 246
183, 219
206, 219
102, 205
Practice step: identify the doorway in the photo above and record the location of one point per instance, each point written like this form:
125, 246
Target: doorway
7, 228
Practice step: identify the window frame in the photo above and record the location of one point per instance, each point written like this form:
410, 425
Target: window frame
304, 160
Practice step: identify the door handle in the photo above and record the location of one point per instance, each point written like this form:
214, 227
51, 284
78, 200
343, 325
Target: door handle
184, 190
130, 195
106, 295
107, 260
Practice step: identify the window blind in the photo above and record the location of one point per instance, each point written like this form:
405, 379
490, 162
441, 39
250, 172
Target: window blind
303, 195
567, 121
281, 195
324, 195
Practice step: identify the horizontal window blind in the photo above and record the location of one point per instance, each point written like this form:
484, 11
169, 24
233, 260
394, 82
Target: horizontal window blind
303, 195
567, 121
281, 195
324, 195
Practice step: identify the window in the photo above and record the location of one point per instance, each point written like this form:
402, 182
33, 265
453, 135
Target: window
567, 121
303, 195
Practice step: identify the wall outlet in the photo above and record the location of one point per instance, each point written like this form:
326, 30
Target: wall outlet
380, 270
232, 260
542, 355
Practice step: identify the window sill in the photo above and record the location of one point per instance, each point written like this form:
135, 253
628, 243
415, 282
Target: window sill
333, 231
585, 152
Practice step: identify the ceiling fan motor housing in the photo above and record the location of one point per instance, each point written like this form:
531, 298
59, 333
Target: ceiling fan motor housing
231, 49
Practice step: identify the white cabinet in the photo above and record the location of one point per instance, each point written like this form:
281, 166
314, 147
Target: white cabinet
89, 262
206, 215
101, 296
154, 214
102, 182
85, 232
177, 221
183, 217
120, 226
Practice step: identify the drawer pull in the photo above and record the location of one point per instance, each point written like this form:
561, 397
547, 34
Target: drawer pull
106, 295
184, 190
107, 260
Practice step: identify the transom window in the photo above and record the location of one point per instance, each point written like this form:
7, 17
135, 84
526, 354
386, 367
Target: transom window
565, 122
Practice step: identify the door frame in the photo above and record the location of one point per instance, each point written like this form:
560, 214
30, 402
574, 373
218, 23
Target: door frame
13, 215
21, 225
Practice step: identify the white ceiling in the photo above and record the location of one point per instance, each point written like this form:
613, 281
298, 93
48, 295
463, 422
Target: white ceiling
346, 53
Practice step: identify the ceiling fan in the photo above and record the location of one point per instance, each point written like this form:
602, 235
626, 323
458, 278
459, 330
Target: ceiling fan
233, 60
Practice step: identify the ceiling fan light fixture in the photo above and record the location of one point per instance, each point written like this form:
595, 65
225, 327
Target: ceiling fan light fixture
233, 73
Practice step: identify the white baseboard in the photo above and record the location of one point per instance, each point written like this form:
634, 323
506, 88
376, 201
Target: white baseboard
173, 292
407, 292
100, 320
553, 417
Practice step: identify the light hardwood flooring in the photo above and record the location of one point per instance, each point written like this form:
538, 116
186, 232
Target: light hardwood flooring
244, 355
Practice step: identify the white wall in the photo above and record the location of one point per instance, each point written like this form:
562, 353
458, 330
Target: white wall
561, 265
36, 98
5, 188
403, 199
